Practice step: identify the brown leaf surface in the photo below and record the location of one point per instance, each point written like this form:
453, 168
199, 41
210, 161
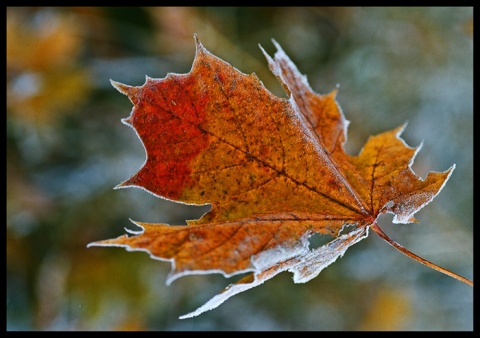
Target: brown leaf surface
274, 170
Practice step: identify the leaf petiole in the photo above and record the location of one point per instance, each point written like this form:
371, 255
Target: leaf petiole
410, 254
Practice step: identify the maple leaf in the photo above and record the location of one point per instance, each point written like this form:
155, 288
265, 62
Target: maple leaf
274, 170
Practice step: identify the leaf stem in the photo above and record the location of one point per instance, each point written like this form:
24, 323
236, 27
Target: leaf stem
410, 254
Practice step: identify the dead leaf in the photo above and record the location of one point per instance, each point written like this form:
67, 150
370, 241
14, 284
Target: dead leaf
274, 170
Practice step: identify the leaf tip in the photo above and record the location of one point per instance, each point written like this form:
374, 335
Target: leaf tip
277, 45
121, 87
400, 129
127, 121
126, 184
269, 59
136, 232
108, 242
198, 45
130, 91
119, 186
334, 92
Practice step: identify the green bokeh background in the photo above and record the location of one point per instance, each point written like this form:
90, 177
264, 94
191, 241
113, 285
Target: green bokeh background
67, 149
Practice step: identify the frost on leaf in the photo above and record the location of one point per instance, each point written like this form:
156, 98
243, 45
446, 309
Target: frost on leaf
305, 265
274, 170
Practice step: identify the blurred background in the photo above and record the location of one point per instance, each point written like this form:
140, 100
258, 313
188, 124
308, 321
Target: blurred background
67, 149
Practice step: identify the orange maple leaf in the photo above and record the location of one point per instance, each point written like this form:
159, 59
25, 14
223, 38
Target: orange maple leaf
274, 170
